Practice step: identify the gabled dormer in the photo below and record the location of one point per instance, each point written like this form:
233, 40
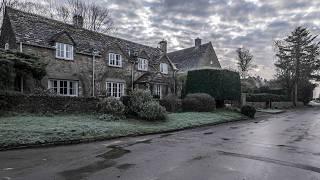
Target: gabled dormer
143, 61
64, 46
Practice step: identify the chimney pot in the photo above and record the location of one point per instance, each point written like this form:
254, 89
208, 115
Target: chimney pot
197, 42
78, 21
163, 46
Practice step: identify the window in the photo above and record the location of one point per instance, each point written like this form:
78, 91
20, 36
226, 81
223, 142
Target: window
64, 51
6, 46
142, 64
115, 89
164, 68
64, 87
157, 90
115, 60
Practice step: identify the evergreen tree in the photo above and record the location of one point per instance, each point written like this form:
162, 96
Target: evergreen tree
297, 60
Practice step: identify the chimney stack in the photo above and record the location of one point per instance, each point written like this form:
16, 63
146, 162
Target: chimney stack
78, 21
197, 42
163, 46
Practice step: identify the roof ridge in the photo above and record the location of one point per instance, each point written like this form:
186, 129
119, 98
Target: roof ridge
67, 24
189, 47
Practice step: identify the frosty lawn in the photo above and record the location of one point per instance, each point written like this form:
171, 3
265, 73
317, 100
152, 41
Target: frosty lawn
31, 129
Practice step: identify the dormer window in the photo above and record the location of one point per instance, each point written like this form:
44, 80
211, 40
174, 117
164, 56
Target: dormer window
115, 60
164, 68
142, 64
64, 51
6, 46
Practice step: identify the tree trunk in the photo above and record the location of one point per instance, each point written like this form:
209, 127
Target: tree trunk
295, 96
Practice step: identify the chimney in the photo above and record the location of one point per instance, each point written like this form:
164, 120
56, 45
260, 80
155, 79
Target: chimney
163, 46
197, 42
78, 21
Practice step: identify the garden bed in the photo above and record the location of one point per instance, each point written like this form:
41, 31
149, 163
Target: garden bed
35, 130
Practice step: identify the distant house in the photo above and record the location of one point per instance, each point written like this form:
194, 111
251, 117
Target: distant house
81, 62
198, 56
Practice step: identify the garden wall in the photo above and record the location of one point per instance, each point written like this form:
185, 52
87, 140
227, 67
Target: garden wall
45, 104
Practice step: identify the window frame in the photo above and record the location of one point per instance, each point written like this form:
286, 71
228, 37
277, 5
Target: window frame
158, 90
61, 85
164, 70
112, 57
62, 51
143, 64
116, 89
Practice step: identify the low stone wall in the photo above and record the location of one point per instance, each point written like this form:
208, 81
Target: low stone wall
274, 105
47, 104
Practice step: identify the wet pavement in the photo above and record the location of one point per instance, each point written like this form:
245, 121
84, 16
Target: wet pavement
281, 146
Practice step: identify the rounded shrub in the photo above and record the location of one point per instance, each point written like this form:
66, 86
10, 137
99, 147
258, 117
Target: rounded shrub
137, 98
200, 102
249, 111
171, 102
111, 105
152, 111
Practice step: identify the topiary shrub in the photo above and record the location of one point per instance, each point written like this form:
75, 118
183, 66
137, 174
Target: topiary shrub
249, 111
152, 111
200, 102
137, 98
112, 106
172, 103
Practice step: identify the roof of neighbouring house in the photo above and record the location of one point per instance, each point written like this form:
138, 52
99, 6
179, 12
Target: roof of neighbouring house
189, 58
38, 30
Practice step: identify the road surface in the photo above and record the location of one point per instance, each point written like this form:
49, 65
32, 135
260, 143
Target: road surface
282, 146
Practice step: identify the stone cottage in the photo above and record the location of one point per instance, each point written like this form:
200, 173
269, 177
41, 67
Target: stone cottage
81, 62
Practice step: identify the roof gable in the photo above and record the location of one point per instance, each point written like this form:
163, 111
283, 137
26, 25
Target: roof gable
190, 58
38, 30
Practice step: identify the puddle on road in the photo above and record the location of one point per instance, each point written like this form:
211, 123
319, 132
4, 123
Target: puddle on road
208, 133
165, 135
115, 153
125, 166
234, 127
146, 141
107, 162
225, 139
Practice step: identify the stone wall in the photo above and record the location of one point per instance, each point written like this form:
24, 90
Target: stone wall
274, 105
45, 104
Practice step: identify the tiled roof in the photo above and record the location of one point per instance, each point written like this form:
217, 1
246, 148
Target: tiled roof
189, 58
38, 30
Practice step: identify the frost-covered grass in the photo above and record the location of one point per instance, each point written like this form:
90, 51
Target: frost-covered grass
34, 129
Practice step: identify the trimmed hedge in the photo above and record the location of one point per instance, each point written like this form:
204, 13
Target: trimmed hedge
220, 84
264, 97
171, 102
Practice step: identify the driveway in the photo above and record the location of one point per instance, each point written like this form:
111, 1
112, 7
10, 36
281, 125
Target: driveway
281, 146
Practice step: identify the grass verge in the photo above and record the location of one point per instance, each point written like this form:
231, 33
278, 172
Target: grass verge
35, 130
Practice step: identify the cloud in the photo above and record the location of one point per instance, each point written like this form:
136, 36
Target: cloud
228, 24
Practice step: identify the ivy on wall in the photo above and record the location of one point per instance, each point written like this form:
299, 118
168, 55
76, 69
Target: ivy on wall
220, 84
16, 63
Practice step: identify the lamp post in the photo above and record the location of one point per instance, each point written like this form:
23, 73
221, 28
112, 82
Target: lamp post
94, 54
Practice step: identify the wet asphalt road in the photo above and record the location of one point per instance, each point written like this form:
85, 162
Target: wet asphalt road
282, 146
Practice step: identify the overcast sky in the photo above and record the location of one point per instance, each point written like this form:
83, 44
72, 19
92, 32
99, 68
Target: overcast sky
228, 24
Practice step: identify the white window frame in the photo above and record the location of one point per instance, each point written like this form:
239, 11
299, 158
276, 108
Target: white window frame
164, 68
115, 89
70, 85
158, 90
142, 64
115, 60
6, 46
64, 51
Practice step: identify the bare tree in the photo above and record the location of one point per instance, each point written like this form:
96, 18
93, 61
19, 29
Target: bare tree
245, 59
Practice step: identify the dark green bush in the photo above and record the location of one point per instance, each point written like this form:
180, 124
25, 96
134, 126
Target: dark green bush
264, 97
137, 98
249, 111
172, 103
111, 105
200, 102
152, 111
220, 84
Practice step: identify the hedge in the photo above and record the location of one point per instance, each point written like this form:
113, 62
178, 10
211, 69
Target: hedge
264, 97
220, 84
